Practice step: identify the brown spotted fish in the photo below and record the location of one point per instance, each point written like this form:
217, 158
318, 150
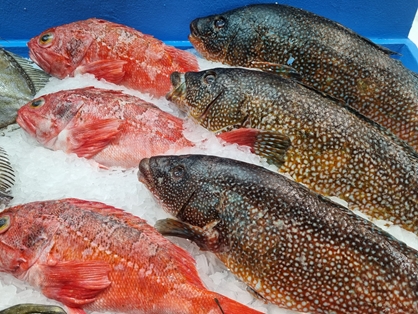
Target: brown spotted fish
333, 150
291, 246
327, 55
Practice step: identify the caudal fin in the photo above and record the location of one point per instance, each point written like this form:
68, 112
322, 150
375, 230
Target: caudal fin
229, 306
269, 144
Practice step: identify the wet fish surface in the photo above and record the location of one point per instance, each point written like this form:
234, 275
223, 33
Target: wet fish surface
114, 52
7, 178
116, 129
95, 257
333, 150
291, 246
19, 82
29, 308
327, 55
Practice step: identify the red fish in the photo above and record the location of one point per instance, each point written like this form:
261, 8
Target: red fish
94, 257
114, 52
116, 129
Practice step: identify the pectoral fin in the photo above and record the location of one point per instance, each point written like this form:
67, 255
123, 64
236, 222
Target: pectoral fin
279, 69
91, 138
75, 283
271, 145
110, 70
207, 238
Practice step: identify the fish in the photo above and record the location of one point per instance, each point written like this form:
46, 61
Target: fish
118, 130
334, 150
111, 51
327, 56
19, 82
94, 257
29, 308
7, 178
291, 246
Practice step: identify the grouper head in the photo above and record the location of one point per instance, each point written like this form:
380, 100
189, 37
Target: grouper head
213, 98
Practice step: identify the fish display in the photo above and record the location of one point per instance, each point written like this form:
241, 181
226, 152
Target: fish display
116, 129
115, 52
334, 150
19, 82
29, 308
95, 257
7, 178
327, 55
291, 246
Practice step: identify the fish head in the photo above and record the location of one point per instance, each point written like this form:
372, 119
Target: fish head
60, 50
212, 97
45, 117
176, 183
25, 231
211, 36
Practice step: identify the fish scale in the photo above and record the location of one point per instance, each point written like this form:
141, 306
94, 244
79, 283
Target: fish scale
333, 149
290, 245
327, 55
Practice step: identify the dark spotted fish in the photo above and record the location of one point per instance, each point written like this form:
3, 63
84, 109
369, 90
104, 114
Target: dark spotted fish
333, 150
7, 178
29, 308
291, 246
327, 55
19, 82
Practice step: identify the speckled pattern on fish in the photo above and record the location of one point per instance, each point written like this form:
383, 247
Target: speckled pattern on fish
333, 150
290, 245
328, 56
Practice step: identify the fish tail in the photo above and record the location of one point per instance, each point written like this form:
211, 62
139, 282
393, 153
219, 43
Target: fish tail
227, 306
271, 145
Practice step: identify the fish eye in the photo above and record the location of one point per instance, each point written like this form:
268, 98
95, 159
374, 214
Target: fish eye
209, 77
46, 39
4, 223
177, 172
219, 23
37, 103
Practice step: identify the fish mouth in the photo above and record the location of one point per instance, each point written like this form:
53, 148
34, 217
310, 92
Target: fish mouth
194, 29
178, 93
144, 172
25, 123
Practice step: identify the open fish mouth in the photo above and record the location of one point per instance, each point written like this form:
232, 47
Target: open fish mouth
178, 93
144, 172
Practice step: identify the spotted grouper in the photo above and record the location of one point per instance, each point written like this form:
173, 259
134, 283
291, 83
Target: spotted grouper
291, 246
327, 55
333, 150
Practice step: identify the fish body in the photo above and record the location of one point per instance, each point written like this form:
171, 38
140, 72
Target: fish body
29, 308
327, 55
115, 52
94, 257
333, 150
291, 246
7, 178
19, 82
116, 129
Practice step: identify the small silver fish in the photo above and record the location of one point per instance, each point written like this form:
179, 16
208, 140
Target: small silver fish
29, 308
7, 178
19, 82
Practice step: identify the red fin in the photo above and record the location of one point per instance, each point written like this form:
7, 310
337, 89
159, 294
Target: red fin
110, 70
227, 305
75, 283
186, 60
72, 310
91, 138
269, 144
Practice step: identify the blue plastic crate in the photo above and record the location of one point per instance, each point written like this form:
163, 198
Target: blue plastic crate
386, 22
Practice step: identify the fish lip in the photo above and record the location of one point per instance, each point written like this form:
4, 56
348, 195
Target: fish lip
25, 124
144, 172
193, 28
178, 92
41, 62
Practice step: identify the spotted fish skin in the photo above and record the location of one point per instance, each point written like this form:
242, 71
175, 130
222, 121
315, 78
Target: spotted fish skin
328, 56
293, 247
333, 150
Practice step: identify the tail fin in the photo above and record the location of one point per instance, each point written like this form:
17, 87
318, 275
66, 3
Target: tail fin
269, 144
229, 306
